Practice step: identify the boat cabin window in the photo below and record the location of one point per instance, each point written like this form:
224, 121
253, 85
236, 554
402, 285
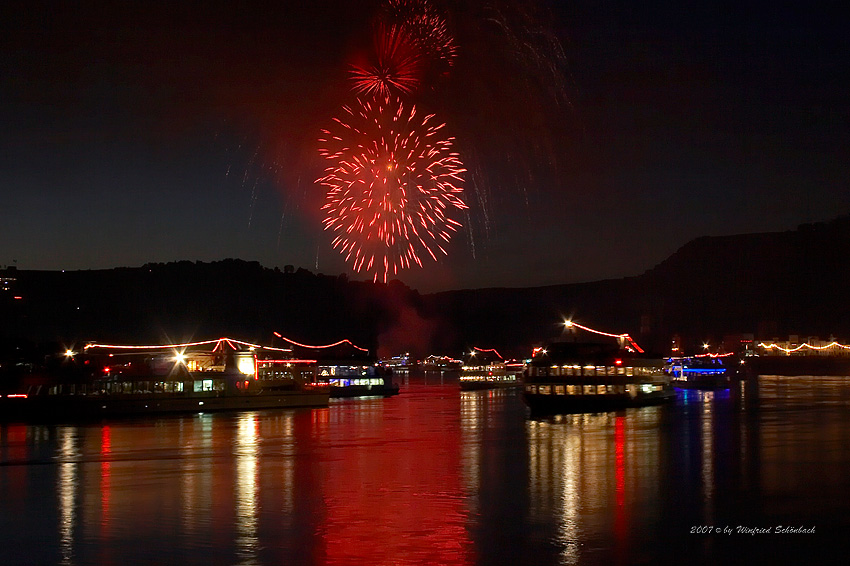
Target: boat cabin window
208, 385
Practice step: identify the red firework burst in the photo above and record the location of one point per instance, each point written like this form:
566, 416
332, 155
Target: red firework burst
393, 185
394, 67
426, 26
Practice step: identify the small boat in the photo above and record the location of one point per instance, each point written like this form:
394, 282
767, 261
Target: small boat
567, 376
487, 369
118, 381
698, 372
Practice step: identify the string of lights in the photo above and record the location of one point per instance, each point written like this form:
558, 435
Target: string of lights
218, 344
571, 324
487, 350
343, 341
774, 346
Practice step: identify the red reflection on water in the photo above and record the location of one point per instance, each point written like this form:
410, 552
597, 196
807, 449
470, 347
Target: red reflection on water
105, 476
621, 519
393, 494
17, 451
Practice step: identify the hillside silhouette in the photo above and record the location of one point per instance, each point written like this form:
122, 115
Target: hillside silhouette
770, 285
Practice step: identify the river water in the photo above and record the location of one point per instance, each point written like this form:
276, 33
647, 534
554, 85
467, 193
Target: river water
440, 476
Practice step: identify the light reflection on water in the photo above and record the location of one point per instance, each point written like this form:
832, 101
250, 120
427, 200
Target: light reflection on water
435, 476
66, 490
246, 488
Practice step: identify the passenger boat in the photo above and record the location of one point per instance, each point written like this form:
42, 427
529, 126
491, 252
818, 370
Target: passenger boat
217, 375
347, 370
568, 376
356, 380
486, 369
813, 357
698, 372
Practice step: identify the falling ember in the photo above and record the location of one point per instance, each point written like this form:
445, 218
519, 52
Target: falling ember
393, 185
393, 69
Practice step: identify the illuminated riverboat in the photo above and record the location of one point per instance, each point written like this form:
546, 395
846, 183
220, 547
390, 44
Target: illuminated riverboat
813, 357
707, 371
486, 369
568, 376
347, 370
216, 375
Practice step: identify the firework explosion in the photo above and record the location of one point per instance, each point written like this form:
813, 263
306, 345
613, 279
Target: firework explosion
392, 187
394, 68
427, 28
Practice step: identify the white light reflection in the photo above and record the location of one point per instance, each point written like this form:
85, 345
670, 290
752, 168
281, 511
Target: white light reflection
471, 430
569, 529
556, 461
743, 437
707, 451
247, 489
196, 437
66, 488
288, 471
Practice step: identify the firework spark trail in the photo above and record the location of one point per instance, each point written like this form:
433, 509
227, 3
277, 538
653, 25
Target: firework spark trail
392, 188
427, 27
535, 46
395, 67
280, 228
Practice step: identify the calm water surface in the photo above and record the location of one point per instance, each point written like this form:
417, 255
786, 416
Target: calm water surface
439, 476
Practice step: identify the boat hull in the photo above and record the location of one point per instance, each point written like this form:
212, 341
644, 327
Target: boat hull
479, 385
85, 407
364, 391
544, 404
798, 365
702, 382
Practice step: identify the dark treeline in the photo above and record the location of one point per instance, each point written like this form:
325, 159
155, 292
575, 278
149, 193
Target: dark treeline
769, 285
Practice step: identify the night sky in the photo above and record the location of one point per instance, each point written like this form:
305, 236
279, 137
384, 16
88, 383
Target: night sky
599, 137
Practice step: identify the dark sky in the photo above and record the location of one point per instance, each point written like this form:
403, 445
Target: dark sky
599, 136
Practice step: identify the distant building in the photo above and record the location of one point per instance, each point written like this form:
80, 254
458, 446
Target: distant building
742, 344
6, 279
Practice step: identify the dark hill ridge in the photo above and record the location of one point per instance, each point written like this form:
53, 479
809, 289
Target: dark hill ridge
770, 284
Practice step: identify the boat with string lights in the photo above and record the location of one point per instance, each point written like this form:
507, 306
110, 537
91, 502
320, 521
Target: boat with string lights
112, 380
435, 363
346, 369
702, 371
813, 357
487, 369
572, 376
